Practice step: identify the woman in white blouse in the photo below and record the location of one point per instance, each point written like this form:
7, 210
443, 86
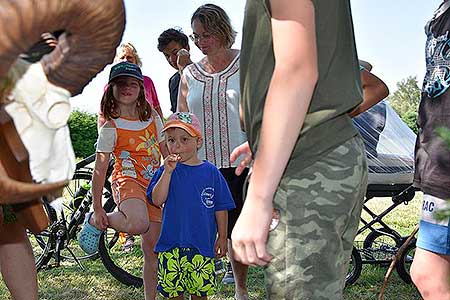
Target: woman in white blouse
210, 90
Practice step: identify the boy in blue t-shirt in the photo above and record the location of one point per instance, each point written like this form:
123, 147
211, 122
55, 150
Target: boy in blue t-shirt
196, 201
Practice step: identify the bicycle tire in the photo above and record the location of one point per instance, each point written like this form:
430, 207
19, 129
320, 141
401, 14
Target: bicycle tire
355, 267
126, 267
404, 263
43, 243
84, 174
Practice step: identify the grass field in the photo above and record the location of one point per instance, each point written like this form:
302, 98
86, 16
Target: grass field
70, 282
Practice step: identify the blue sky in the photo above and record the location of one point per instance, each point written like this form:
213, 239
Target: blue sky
389, 34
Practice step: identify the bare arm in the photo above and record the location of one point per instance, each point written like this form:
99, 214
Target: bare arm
287, 101
161, 189
182, 95
289, 94
374, 90
100, 121
98, 178
221, 247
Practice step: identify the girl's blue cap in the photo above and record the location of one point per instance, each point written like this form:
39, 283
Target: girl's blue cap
125, 69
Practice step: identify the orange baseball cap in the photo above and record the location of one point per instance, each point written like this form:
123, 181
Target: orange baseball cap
184, 120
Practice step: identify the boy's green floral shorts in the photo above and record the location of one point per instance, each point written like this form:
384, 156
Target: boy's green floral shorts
185, 270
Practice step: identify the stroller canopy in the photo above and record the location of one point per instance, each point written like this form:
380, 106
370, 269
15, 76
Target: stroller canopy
389, 145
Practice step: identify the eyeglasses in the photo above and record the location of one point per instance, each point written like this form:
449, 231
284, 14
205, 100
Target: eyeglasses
196, 37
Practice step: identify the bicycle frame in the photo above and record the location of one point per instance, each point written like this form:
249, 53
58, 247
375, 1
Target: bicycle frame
63, 230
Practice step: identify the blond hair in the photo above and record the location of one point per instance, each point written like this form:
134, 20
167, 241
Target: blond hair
130, 47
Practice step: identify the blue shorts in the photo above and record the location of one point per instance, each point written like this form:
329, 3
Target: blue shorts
434, 235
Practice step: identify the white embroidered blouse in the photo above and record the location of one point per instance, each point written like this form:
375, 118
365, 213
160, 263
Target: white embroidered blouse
214, 99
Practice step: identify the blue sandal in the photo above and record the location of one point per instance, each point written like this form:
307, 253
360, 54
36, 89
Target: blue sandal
89, 236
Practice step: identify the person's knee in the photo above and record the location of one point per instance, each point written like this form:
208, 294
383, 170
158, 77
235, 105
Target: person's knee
137, 226
418, 276
429, 286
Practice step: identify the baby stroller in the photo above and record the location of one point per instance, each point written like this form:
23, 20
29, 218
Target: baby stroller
389, 146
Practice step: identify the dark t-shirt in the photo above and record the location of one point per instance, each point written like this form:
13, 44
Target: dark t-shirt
338, 89
174, 82
432, 155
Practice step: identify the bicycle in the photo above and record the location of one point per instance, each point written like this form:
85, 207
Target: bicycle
59, 240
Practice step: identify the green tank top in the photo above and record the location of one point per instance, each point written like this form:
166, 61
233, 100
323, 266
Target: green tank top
338, 89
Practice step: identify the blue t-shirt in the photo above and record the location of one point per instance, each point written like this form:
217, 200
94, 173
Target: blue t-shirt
195, 194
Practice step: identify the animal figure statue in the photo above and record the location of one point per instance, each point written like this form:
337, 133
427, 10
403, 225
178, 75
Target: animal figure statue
34, 97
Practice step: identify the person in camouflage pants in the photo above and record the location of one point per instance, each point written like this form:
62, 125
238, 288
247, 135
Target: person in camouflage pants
319, 216
299, 80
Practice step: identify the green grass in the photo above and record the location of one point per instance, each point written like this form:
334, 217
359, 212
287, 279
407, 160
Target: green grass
70, 282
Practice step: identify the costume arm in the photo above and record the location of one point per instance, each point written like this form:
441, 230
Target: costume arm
374, 90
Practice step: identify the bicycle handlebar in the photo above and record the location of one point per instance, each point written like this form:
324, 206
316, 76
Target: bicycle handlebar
83, 163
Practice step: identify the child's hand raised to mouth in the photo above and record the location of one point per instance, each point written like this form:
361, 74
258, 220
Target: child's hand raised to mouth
171, 162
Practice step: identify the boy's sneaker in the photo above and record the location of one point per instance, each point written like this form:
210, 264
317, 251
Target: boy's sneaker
218, 264
229, 277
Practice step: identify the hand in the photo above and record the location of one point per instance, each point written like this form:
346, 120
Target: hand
221, 247
170, 162
250, 234
243, 149
183, 59
99, 219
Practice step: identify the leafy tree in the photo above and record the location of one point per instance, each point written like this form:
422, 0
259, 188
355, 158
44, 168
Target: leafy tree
407, 96
410, 118
405, 101
83, 132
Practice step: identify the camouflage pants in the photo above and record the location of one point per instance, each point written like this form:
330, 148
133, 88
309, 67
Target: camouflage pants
320, 207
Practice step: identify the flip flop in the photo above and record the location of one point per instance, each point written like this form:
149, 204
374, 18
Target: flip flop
89, 236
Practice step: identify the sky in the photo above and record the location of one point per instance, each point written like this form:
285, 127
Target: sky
389, 34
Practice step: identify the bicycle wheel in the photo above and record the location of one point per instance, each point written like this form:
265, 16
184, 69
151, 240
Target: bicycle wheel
43, 244
74, 222
125, 266
355, 267
381, 247
403, 265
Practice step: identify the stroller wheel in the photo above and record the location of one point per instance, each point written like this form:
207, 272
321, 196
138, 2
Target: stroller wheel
354, 268
403, 265
382, 245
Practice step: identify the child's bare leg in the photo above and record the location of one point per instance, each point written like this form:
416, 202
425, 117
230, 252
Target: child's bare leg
430, 273
17, 263
149, 240
131, 218
240, 272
